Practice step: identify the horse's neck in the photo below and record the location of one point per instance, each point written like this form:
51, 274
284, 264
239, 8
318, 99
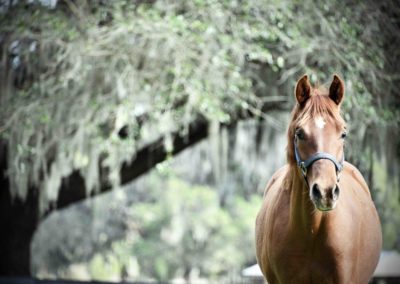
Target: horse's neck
304, 217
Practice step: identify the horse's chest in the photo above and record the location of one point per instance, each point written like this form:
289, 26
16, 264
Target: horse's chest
309, 261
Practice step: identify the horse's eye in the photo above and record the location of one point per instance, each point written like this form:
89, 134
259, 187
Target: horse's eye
344, 134
300, 134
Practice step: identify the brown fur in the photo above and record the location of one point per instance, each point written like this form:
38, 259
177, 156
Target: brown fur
295, 242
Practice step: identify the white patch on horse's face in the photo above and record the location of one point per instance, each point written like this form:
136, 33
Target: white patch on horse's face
319, 122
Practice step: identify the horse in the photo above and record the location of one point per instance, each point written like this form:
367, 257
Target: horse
317, 222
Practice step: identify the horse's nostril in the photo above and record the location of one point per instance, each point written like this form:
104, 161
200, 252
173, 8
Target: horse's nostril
316, 192
336, 192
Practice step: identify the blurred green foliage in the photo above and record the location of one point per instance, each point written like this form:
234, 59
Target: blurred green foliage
80, 72
181, 231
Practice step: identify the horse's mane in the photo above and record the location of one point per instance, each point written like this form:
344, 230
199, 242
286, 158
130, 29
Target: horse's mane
319, 104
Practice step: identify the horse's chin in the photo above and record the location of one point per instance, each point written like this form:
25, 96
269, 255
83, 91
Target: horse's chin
324, 208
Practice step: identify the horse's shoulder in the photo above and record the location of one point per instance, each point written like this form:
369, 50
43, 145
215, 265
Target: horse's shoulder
279, 174
356, 176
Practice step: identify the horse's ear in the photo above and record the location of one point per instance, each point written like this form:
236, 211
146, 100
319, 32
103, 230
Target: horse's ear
303, 90
336, 90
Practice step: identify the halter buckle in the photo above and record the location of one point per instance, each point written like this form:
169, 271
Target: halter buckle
303, 168
338, 175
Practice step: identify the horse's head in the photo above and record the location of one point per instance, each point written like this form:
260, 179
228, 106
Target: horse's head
317, 135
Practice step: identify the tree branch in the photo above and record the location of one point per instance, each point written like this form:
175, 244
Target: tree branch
73, 187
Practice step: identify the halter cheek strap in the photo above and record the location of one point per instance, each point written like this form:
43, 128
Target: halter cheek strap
305, 164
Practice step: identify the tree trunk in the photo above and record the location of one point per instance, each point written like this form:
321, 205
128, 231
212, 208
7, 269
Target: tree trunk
18, 221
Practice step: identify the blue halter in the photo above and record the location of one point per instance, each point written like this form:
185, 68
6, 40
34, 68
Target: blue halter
304, 165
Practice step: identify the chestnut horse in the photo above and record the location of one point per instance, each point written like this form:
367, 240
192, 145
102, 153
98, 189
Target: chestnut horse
318, 223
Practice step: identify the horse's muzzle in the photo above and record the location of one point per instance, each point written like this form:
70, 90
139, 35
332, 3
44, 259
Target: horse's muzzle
324, 199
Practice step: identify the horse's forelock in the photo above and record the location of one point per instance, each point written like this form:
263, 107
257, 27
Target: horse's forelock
319, 105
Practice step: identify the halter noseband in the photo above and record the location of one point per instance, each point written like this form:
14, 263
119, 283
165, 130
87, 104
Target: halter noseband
304, 165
